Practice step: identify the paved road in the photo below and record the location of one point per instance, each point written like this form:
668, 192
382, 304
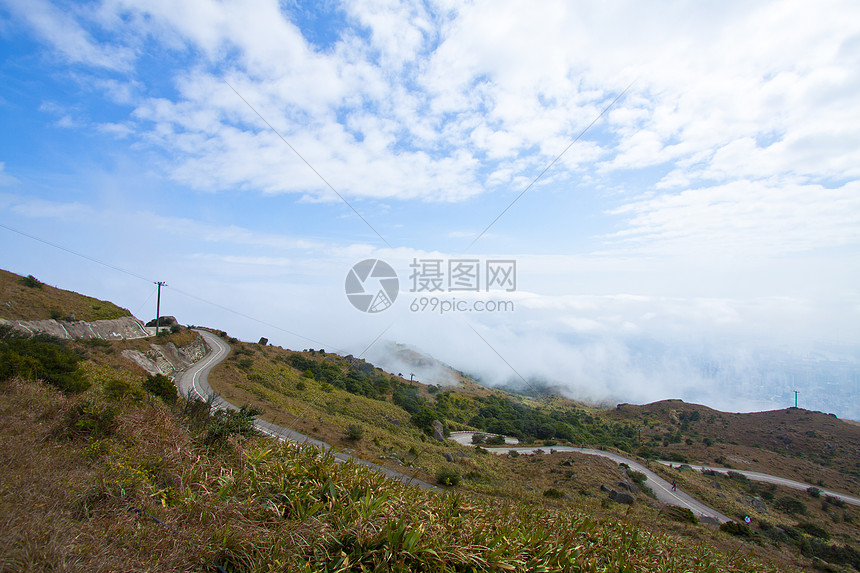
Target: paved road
195, 382
661, 488
756, 476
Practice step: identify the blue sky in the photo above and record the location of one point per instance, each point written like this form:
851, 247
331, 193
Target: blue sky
700, 240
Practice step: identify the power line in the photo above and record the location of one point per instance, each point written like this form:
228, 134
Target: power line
553, 162
318, 174
257, 320
76, 253
539, 395
161, 283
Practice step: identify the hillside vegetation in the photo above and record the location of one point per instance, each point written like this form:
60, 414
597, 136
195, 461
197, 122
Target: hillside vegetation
27, 298
118, 472
800, 444
91, 483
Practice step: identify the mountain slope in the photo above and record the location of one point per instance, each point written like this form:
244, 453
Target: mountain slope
794, 443
26, 298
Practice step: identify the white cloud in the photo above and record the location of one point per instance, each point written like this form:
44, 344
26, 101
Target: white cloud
728, 174
41, 208
63, 30
743, 218
6, 179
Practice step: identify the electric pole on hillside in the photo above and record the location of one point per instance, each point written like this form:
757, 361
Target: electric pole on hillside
158, 306
795, 398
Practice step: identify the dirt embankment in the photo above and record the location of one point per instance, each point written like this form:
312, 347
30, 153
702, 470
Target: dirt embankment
167, 359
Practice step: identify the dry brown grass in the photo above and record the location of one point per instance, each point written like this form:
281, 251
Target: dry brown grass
19, 302
73, 500
794, 443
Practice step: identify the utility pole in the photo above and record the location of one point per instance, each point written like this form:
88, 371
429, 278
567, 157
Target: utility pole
158, 306
795, 398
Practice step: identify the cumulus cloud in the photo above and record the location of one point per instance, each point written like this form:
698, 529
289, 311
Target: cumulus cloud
761, 218
717, 201
63, 30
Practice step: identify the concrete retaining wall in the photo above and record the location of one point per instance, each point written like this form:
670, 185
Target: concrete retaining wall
113, 329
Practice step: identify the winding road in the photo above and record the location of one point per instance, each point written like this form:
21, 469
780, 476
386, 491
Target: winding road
757, 476
661, 488
195, 381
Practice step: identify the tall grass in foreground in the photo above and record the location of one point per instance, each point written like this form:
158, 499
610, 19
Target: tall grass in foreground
131, 485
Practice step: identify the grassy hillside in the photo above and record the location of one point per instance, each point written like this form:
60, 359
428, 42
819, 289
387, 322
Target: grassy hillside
27, 298
324, 395
808, 446
132, 484
386, 419
104, 468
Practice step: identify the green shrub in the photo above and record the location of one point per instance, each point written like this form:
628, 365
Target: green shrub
495, 440
31, 281
680, 514
790, 505
40, 358
90, 419
638, 477
646, 452
175, 329
226, 423
813, 491
95, 343
837, 554
161, 386
117, 389
354, 432
736, 529
301, 386
553, 493
446, 475
813, 530
833, 500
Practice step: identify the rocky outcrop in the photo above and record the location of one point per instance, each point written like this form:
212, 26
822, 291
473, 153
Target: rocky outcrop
438, 431
621, 497
126, 327
758, 504
164, 321
632, 488
167, 359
